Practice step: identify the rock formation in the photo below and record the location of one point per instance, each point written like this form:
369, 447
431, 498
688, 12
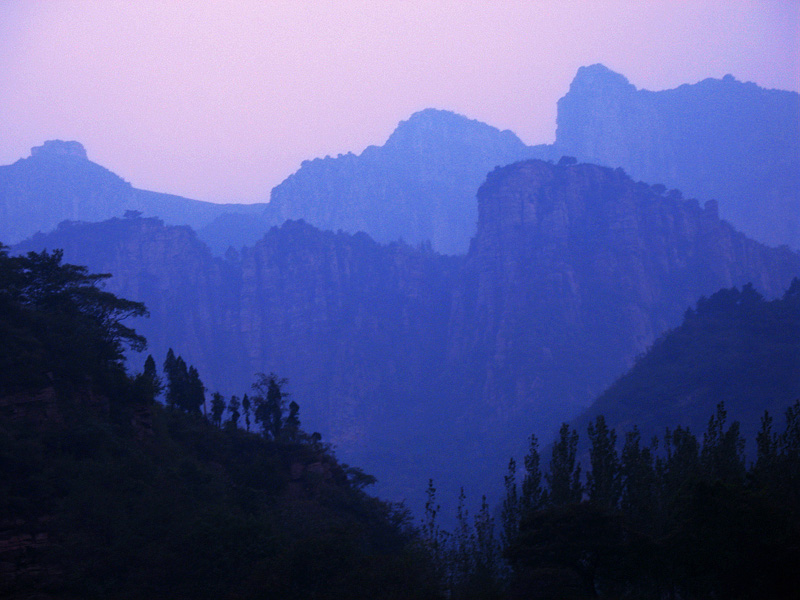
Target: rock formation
58, 182
717, 139
419, 186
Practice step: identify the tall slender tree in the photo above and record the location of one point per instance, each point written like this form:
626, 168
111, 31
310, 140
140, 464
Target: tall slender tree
217, 408
564, 478
603, 478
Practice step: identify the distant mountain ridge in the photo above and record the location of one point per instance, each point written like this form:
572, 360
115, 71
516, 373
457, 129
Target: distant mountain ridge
573, 272
58, 182
717, 139
419, 186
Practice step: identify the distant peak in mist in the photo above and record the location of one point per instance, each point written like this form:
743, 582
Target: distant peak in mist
599, 76
443, 124
52, 148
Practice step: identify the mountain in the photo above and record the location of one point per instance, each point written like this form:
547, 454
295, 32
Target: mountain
717, 139
58, 182
419, 186
573, 272
733, 347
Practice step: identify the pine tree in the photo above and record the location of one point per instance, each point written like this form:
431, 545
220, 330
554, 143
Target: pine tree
639, 492
510, 512
602, 480
533, 494
172, 376
722, 456
564, 478
217, 408
195, 392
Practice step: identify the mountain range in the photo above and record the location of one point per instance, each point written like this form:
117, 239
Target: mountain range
718, 139
493, 319
415, 364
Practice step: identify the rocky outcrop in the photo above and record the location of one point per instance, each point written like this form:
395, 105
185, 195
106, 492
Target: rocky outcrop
574, 271
717, 139
60, 148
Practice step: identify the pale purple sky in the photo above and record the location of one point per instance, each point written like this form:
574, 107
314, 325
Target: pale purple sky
222, 100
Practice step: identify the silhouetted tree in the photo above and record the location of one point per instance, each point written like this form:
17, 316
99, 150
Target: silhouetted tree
291, 426
195, 392
533, 495
233, 410
269, 400
217, 408
47, 306
602, 479
510, 511
722, 456
639, 484
564, 477
246, 408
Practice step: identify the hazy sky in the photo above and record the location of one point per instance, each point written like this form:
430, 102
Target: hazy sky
222, 100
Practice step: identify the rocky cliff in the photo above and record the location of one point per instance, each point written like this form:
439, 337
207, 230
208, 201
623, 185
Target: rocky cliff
574, 271
419, 186
717, 139
419, 365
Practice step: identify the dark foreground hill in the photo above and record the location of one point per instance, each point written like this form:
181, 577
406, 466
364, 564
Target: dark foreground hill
108, 494
418, 365
733, 347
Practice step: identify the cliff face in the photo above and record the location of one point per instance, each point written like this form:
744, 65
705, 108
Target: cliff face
574, 270
419, 186
716, 139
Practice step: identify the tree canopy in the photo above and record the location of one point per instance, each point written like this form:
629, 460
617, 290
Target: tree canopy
58, 323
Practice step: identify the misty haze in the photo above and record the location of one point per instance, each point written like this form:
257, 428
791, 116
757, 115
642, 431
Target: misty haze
469, 344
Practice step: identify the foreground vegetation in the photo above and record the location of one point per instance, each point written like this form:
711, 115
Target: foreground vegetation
109, 494
672, 515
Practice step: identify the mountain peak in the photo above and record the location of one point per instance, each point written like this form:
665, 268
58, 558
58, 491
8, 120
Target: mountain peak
598, 76
445, 125
53, 148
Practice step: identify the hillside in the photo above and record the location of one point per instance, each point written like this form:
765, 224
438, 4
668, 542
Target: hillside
733, 347
107, 493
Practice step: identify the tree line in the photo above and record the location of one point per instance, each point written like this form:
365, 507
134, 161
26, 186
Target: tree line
676, 517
